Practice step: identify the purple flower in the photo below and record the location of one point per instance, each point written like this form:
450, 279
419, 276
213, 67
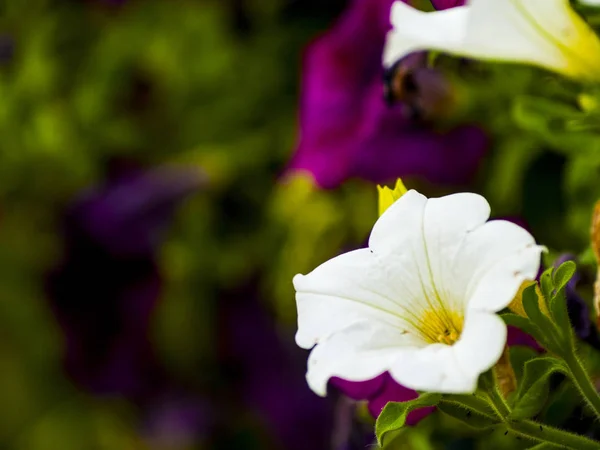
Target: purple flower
7, 48
267, 371
346, 128
516, 336
176, 421
105, 289
378, 392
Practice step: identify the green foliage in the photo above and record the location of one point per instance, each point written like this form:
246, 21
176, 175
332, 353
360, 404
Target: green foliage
561, 125
562, 275
519, 355
531, 304
558, 301
394, 414
547, 316
545, 446
533, 389
471, 410
525, 324
162, 84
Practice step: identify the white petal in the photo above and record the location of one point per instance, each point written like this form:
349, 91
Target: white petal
493, 262
350, 287
481, 343
432, 369
419, 239
360, 352
360, 310
399, 225
454, 369
546, 33
448, 221
416, 30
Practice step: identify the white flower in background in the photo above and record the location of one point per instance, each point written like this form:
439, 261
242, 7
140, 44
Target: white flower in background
420, 302
590, 2
545, 33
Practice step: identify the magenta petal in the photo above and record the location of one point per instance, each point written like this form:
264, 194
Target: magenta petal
390, 146
516, 336
378, 392
347, 130
360, 390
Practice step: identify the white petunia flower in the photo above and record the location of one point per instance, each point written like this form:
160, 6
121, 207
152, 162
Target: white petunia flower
420, 302
545, 33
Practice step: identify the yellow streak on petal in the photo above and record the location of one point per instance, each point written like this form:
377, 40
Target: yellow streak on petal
584, 46
576, 40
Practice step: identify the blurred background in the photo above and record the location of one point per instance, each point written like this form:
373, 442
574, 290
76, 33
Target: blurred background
141, 144
154, 208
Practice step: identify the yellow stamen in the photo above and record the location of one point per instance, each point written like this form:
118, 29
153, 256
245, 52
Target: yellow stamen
440, 327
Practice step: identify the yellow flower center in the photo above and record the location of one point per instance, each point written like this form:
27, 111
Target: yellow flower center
440, 327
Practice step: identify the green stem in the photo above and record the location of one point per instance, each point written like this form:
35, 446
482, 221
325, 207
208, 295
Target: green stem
492, 392
582, 382
542, 433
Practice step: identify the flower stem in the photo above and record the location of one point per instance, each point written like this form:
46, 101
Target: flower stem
492, 391
542, 433
582, 382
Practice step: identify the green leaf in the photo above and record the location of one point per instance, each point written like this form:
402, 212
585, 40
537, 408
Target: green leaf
524, 324
562, 404
471, 410
519, 356
546, 285
533, 390
558, 302
560, 314
531, 304
560, 124
393, 416
563, 274
472, 402
545, 446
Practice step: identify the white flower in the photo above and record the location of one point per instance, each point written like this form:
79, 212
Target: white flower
546, 33
420, 302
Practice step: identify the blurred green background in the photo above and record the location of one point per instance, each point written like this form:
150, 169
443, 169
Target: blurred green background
171, 122
90, 85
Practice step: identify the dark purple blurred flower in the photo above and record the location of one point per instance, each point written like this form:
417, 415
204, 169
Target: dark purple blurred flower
579, 311
7, 48
349, 431
516, 336
104, 291
378, 392
346, 128
176, 422
267, 371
